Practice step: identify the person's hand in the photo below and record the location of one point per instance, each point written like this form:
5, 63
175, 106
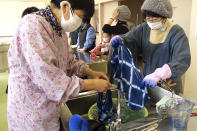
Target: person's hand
81, 50
99, 85
115, 14
92, 53
150, 80
78, 49
115, 41
162, 73
100, 75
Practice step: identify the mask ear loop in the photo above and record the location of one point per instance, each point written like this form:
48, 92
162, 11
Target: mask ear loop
71, 10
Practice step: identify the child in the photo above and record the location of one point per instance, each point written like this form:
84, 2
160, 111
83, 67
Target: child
103, 48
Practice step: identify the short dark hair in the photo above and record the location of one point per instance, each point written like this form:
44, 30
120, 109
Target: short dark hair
152, 14
85, 5
29, 10
107, 29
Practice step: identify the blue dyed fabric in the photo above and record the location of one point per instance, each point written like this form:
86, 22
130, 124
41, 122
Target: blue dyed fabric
106, 110
128, 76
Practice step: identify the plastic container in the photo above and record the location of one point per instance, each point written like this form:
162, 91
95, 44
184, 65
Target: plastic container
178, 112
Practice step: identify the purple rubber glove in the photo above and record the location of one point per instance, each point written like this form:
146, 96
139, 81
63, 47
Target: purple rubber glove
162, 73
115, 41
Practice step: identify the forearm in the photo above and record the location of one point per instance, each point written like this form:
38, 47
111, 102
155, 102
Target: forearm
114, 16
89, 72
87, 84
181, 57
178, 68
110, 21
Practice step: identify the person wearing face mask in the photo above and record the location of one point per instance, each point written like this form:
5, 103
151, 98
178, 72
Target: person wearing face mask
163, 45
103, 48
43, 70
86, 36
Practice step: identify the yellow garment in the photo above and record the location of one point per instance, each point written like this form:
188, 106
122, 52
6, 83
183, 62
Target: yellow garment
158, 36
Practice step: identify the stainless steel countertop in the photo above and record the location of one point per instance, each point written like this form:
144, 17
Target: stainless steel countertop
139, 124
143, 123
192, 125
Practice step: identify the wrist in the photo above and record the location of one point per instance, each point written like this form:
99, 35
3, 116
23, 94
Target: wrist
84, 49
167, 72
164, 72
112, 18
89, 72
87, 84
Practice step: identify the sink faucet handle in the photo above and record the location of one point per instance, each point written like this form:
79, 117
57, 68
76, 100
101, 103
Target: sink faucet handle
168, 84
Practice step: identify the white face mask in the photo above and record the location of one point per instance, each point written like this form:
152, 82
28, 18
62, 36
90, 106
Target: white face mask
155, 25
106, 40
72, 24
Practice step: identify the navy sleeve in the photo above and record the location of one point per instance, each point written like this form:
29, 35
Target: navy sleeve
180, 50
133, 40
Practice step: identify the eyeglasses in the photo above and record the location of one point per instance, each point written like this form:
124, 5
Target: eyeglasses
152, 19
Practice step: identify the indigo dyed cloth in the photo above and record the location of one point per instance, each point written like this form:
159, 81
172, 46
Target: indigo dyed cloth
128, 76
106, 110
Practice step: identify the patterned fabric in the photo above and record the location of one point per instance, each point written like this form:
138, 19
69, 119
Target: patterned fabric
106, 110
50, 17
128, 77
43, 74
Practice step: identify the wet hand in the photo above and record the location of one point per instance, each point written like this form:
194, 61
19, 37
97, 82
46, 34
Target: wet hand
101, 85
100, 75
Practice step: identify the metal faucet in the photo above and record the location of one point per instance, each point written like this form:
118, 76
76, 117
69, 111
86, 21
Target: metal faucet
116, 125
165, 84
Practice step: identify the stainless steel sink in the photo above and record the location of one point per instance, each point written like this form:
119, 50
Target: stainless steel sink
82, 103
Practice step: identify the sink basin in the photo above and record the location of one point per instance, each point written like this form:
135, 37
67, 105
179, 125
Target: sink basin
81, 104
86, 100
126, 113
